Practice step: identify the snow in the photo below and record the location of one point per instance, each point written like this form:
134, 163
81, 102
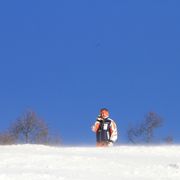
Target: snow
38, 162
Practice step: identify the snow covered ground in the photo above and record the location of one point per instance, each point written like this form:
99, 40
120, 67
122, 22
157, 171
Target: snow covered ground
37, 162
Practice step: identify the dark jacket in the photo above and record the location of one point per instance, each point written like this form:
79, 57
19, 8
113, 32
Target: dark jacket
103, 133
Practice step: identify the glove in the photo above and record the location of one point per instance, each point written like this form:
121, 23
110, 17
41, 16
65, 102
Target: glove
99, 118
110, 143
93, 128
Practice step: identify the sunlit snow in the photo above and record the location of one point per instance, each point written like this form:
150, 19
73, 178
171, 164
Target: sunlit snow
38, 162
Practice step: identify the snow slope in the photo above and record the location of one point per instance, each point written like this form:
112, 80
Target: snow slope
37, 162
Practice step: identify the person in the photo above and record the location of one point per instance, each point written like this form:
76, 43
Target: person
105, 129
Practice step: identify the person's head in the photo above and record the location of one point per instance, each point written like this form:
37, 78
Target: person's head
104, 113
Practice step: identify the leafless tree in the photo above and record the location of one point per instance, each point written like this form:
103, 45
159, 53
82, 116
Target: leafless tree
169, 140
30, 129
54, 139
6, 138
144, 132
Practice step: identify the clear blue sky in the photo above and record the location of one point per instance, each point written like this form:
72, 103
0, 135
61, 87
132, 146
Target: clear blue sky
66, 59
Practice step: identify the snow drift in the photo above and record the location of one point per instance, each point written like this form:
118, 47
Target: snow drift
38, 162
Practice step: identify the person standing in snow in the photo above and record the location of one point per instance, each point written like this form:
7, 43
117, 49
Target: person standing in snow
105, 129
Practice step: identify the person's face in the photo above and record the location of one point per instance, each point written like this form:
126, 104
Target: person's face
104, 114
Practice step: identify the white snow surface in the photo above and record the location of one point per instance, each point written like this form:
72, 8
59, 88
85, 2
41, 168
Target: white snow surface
38, 162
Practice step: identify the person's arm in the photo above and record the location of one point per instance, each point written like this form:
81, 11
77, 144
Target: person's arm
95, 127
113, 131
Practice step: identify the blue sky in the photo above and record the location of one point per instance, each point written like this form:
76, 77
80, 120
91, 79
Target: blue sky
67, 59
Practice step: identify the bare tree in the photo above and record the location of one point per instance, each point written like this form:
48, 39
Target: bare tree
6, 138
169, 140
30, 129
54, 139
144, 132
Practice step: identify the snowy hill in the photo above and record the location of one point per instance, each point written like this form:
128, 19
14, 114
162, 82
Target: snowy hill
37, 162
